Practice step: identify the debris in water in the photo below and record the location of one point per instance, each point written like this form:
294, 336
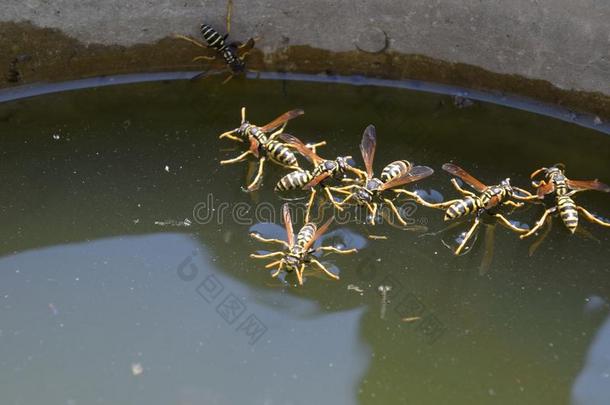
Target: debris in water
383, 290
56, 137
353, 287
136, 369
167, 168
411, 319
173, 222
378, 237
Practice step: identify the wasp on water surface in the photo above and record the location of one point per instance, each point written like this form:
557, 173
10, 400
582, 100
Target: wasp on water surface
562, 189
233, 53
368, 191
300, 253
323, 171
490, 199
264, 145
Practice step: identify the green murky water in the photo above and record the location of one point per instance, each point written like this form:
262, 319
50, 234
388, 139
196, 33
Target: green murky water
106, 296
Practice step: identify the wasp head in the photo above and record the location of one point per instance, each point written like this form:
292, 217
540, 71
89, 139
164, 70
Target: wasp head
505, 184
292, 261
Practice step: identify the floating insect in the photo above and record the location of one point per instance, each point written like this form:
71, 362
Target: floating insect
323, 171
232, 53
490, 199
562, 189
300, 253
264, 145
369, 191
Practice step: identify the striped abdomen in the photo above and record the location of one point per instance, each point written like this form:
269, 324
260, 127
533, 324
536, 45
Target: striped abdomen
280, 153
304, 236
294, 180
395, 169
462, 207
567, 212
213, 38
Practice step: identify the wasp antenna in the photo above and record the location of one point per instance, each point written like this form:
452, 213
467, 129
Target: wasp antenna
243, 115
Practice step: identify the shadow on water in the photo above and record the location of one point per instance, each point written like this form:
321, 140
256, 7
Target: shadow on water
99, 273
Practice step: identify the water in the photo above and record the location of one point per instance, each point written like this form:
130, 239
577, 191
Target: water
107, 294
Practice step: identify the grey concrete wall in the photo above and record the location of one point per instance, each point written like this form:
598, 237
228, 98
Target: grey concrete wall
566, 42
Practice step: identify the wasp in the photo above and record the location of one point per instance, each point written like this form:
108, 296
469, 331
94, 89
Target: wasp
300, 253
233, 53
489, 200
555, 182
323, 170
369, 192
264, 145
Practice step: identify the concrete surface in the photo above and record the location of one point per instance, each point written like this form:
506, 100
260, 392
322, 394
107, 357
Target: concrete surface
564, 42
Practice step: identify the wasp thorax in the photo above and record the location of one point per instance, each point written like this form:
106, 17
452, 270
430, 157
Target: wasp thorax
329, 165
363, 195
343, 162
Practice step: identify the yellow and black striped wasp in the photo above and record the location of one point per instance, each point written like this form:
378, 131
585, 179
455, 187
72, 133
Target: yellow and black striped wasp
233, 53
300, 253
489, 201
264, 145
368, 192
556, 184
323, 171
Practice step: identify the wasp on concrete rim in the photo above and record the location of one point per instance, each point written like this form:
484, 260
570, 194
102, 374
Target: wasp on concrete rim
233, 53
297, 254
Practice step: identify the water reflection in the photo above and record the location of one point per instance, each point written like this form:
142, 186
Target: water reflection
77, 318
592, 386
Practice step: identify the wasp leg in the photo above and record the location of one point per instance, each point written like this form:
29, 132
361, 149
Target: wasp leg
332, 198
229, 11
299, 272
373, 210
259, 174
592, 218
360, 173
203, 57
278, 270
513, 204
346, 199
442, 205
474, 226
461, 190
335, 250
233, 137
504, 221
527, 196
488, 255
542, 237
191, 40
324, 269
395, 210
261, 239
225, 81
310, 204
344, 189
314, 146
239, 158
265, 256
539, 223
272, 264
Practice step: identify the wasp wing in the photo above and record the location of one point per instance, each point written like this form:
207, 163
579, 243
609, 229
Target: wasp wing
287, 116
316, 180
288, 224
319, 232
367, 148
300, 147
464, 175
588, 185
416, 173
545, 188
